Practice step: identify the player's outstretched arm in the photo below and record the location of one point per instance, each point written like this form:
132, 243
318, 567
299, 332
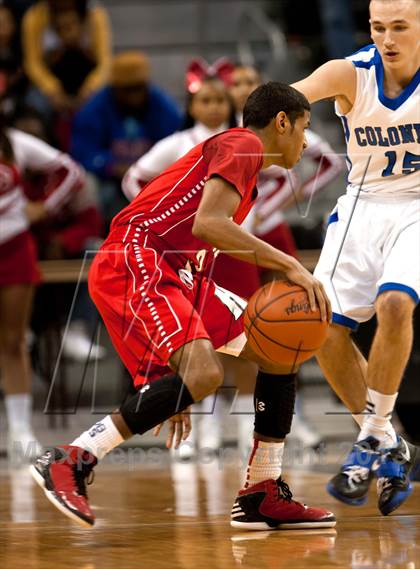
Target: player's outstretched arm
213, 224
336, 79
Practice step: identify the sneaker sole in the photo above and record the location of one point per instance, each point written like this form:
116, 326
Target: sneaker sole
50, 495
349, 501
252, 526
397, 502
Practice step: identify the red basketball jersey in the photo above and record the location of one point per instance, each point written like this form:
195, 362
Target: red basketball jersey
165, 208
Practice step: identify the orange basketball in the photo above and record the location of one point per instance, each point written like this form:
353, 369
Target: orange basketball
280, 325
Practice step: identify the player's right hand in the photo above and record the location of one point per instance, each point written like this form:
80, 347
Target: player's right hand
316, 293
179, 428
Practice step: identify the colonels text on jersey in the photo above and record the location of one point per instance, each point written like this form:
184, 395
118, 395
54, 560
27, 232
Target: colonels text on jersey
162, 215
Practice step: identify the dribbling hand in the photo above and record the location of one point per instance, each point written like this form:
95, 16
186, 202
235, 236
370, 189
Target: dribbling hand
314, 288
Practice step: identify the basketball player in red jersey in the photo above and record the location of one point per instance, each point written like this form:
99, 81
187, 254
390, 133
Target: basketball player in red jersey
167, 319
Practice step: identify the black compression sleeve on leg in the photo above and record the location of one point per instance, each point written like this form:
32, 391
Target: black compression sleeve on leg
156, 402
274, 403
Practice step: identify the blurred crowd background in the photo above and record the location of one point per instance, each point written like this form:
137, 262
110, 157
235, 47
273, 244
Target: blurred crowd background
104, 82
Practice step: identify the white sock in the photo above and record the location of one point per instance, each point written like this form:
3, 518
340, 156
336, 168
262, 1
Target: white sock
378, 422
19, 411
100, 439
264, 463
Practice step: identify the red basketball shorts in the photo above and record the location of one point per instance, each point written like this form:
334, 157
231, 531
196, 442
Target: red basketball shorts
152, 307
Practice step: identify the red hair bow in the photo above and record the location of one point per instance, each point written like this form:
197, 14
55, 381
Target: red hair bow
199, 69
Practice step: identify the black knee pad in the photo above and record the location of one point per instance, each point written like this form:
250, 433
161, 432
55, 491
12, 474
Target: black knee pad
274, 403
155, 402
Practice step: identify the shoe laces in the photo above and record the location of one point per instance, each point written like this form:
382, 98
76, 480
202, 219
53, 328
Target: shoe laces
83, 476
356, 473
44, 459
283, 490
384, 484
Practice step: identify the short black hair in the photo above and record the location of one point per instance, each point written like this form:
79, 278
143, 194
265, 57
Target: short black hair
269, 99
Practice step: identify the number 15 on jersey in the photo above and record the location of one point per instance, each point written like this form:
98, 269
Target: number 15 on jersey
411, 163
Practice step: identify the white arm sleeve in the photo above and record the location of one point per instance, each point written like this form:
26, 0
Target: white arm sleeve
34, 154
151, 164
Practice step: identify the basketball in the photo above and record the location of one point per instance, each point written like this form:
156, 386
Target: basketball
280, 325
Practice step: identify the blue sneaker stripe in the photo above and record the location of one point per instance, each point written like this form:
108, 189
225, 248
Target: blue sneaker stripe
390, 469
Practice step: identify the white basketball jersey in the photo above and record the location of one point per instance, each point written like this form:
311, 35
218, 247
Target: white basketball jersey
383, 134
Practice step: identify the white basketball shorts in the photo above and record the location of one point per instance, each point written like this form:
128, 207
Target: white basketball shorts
372, 245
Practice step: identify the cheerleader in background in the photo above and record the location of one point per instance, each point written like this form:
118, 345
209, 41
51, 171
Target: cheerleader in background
18, 270
77, 227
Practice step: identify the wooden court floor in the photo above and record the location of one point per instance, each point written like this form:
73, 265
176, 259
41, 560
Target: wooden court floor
177, 518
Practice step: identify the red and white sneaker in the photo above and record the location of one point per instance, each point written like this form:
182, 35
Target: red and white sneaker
62, 472
269, 505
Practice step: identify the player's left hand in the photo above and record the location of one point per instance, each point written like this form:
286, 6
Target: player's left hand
314, 288
179, 428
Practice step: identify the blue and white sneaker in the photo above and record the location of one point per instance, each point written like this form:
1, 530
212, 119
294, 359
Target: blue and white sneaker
351, 484
393, 472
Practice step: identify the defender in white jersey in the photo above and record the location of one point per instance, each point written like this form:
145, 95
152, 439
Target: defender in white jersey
370, 262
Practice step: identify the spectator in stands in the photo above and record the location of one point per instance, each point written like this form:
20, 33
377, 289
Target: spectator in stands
120, 123
75, 228
18, 270
67, 51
